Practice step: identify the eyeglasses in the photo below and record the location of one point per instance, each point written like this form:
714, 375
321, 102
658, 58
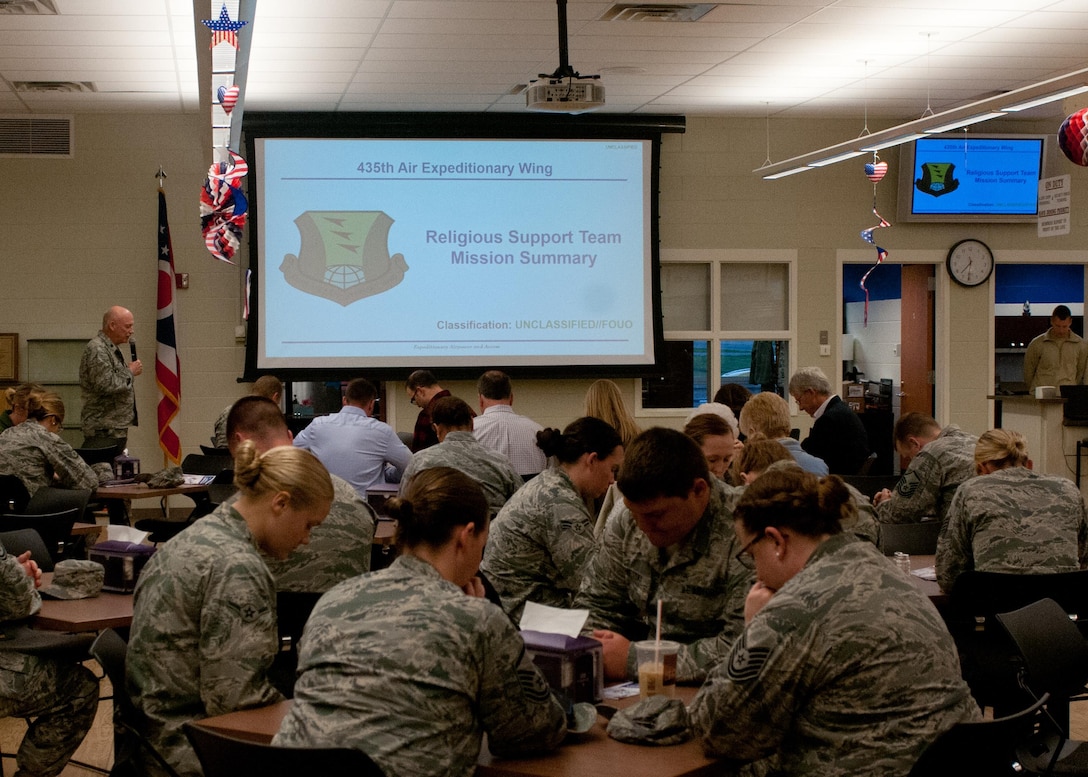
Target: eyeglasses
744, 555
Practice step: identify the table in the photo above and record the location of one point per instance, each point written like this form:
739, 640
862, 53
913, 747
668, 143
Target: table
79, 527
592, 753
105, 611
928, 587
385, 532
142, 491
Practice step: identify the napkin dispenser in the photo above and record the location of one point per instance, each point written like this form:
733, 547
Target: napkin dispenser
573, 666
123, 562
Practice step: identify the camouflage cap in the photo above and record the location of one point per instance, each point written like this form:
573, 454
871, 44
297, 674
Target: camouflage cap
657, 720
75, 579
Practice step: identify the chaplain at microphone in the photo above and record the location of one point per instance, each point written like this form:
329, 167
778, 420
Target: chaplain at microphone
106, 382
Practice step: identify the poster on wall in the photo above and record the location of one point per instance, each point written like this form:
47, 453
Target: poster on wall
1054, 201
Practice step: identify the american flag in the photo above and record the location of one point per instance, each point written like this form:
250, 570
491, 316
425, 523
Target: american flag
167, 365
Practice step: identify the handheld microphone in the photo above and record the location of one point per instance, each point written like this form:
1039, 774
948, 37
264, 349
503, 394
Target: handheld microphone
132, 347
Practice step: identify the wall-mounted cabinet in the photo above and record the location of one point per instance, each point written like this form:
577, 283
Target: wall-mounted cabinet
55, 365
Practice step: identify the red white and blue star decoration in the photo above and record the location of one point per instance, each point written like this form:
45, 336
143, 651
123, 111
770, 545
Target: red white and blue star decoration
224, 29
875, 172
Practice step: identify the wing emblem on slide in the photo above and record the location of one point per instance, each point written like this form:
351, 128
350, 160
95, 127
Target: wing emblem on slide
938, 179
344, 255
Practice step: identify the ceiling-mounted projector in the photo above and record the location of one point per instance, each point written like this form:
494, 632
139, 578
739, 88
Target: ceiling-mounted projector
565, 90
565, 95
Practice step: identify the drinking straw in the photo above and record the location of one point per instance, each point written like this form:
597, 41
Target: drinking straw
657, 636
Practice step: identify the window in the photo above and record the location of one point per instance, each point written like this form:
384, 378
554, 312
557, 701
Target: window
727, 318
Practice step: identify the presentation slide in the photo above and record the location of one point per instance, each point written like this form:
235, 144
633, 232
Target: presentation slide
977, 176
391, 253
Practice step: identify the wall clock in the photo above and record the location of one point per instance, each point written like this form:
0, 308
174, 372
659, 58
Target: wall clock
970, 262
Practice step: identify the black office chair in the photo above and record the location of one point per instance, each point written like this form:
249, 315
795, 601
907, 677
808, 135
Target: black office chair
19, 541
990, 660
226, 756
110, 650
207, 450
98, 455
13, 494
51, 500
55, 529
919, 539
1055, 669
54, 645
986, 747
871, 484
293, 609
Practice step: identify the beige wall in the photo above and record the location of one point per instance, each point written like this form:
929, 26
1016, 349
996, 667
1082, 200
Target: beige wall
78, 235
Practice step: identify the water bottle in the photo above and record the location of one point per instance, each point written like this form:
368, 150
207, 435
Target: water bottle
902, 561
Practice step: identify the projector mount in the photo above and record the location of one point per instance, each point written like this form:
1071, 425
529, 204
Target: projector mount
564, 70
565, 90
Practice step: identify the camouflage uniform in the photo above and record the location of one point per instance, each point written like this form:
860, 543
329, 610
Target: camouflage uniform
1013, 520
848, 670
462, 451
61, 696
339, 547
105, 384
539, 544
701, 583
927, 487
40, 458
219, 436
203, 633
402, 665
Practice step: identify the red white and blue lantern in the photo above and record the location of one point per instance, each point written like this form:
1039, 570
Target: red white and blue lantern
1073, 137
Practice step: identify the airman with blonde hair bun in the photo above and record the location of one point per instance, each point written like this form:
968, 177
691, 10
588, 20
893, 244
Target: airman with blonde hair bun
1001, 448
1010, 518
204, 631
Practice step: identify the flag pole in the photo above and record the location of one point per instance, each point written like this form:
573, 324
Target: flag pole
161, 175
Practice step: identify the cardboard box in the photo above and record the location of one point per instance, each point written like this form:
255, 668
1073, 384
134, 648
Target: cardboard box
573, 666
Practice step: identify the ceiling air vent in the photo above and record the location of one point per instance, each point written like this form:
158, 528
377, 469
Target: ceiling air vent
36, 136
28, 7
657, 12
54, 86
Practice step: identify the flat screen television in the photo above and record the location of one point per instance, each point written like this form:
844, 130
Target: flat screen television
455, 243
980, 178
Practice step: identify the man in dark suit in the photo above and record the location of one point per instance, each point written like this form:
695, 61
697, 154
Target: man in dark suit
837, 436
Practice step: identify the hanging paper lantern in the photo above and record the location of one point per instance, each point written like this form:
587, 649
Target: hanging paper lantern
228, 96
223, 207
1073, 137
876, 171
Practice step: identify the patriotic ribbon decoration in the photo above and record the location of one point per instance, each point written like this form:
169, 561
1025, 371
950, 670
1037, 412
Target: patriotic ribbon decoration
874, 172
223, 207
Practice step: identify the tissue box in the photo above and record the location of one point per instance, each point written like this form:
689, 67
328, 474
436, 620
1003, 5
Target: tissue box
572, 666
123, 562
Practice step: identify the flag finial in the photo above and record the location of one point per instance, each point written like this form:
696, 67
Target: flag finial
161, 175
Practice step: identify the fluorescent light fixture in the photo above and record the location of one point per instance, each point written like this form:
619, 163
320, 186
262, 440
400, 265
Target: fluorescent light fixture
837, 158
1044, 100
979, 111
791, 171
964, 122
896, 141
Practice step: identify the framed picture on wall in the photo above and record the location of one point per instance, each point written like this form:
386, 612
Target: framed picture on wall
9, 357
